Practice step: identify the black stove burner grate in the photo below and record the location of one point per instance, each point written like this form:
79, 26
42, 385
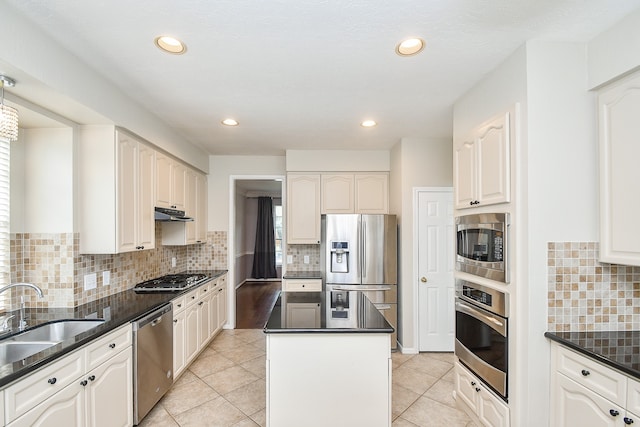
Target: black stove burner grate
171, 282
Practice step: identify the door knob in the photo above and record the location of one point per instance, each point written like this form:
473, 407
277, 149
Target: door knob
423, 279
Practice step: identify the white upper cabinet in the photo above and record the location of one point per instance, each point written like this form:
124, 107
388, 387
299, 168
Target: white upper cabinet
372, 193
117, 190
171, 177
187, 233
481, 164
355, 193
619, 127
337, 194
303, 208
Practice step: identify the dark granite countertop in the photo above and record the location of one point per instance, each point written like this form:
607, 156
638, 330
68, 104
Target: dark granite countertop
302, 275
618, 349
117, 310
325, 312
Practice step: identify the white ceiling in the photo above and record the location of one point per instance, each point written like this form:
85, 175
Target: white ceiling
302, 74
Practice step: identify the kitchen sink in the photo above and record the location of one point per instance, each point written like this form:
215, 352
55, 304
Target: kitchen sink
58, 331
12, 351
42, 337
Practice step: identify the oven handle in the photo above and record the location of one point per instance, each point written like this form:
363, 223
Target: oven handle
496, 323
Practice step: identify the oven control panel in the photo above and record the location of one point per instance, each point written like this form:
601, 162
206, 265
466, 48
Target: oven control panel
477, 295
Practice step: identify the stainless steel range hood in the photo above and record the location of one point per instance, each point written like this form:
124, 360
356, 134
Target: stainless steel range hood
166, 214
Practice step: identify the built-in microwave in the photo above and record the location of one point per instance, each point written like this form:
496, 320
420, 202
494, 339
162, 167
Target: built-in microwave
482, 245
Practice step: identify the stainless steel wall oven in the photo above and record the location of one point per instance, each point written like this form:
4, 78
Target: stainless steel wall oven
482, 333
482, 245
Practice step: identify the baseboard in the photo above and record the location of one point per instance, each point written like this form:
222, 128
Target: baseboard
407, 350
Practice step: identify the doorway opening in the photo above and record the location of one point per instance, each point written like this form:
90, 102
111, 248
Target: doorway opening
256, 247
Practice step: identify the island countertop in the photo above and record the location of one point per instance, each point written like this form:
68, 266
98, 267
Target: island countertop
326, 312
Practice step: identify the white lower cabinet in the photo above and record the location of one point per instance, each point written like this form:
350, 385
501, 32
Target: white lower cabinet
490, 409
197, 319
302, 285
69, 393
587, 393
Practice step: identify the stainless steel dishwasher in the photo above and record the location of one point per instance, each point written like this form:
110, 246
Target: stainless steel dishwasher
153, 359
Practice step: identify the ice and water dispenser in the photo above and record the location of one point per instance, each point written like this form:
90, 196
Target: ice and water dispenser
339, 256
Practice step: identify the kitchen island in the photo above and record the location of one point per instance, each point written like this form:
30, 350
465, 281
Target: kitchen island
328, 361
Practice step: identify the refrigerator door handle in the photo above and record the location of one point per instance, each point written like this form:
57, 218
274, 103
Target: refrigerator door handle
359, 288
363, 248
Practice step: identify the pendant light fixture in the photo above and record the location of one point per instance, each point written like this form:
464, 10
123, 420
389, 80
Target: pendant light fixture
8, 115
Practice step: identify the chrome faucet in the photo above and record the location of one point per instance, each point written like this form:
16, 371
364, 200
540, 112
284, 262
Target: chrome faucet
22, 322
28, 285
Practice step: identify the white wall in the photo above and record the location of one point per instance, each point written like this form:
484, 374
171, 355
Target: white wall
42, 183
615, 52
53, 77
415, 162
221, 168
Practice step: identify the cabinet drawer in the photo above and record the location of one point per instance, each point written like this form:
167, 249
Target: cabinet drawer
35, 388
192, 297
205, 289
110, 345
179, 303
309, 285
603, 380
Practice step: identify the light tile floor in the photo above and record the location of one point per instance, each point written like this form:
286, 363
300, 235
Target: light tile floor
225, 386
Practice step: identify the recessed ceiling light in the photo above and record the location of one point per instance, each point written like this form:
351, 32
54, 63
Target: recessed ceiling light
170, 44
368, 123
410, 46
230, 122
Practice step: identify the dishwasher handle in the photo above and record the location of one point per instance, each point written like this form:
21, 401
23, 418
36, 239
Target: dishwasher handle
154, 317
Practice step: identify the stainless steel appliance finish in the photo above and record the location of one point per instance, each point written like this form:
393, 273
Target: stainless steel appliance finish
359, 253
482, 245
166, 214
482, 334
153, 359
172, 282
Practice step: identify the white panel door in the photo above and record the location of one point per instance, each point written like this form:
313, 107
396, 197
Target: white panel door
435, 271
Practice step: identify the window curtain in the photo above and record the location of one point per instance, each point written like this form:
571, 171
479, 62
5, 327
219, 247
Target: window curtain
264, 254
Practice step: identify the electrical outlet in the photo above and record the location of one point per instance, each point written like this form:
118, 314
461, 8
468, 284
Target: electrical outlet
306, 259
174, 262
289, 259
106, 278
90, 281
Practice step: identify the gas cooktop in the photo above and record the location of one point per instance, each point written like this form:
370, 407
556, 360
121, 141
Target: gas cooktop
171, 282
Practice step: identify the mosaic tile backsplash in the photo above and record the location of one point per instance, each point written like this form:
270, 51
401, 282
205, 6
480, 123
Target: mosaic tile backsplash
587, 295
298, 253
54, 263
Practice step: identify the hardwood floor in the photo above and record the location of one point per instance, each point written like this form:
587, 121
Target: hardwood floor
254, 301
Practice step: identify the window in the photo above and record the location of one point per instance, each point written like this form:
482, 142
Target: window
277, 227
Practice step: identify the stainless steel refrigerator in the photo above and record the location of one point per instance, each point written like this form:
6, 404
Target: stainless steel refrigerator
359, 252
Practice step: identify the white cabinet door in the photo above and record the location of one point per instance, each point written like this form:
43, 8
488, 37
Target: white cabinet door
178, 185
575, 405
127, 152
146, 228
222, 303
65, 408
337, 194
303, 315
203, 322
303, 209
191, 193
372, 193
467, 387
163, 181
192, 341
491, 411
493, 170
201, 208
214, 327
464, 171
481, 165
110, 392
179, 343
619, 128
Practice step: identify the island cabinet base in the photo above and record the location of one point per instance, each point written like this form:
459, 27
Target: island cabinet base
336, 379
